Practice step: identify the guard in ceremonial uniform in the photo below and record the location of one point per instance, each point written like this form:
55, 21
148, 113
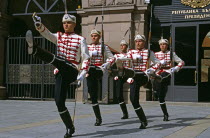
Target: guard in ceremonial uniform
96, 70
139, 58
161, 85
70, 48
120, 79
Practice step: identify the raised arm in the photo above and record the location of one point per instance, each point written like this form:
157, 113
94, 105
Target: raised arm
43, 30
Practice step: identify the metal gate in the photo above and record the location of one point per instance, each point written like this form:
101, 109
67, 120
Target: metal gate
28, 77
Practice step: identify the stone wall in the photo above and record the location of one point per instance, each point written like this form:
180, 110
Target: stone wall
119, 15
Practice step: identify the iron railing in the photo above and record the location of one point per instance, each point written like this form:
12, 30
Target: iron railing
28, 77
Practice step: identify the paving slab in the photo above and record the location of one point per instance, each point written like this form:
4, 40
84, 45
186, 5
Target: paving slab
40, 119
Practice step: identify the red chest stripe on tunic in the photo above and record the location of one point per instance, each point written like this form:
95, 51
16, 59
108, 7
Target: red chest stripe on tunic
67, 42
166, 57
69, 38
140, 64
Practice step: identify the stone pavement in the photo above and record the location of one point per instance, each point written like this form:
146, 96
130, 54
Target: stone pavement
40, 119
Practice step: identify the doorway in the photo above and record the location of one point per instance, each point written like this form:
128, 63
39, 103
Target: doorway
184, 83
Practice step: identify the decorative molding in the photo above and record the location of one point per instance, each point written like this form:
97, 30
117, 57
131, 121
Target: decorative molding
110, 2
97, 2
123, 2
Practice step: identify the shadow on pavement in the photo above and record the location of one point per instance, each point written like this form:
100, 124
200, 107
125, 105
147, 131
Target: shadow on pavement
110, 132
180, 122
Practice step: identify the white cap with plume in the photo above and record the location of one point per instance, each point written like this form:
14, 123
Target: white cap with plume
94, 31
163, 41
69, 18
140, 37
123, 42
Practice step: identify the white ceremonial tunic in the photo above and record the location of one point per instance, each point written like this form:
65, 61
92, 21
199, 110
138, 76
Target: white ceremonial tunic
140, 63
96, 55
165, 58
70, 46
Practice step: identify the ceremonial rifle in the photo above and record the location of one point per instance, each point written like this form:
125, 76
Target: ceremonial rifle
102, 34
170, 45
149, 36
150, 31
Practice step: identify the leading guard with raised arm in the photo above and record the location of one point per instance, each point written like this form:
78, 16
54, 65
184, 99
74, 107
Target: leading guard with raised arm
70, 48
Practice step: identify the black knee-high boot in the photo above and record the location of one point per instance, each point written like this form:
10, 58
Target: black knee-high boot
124, 110
96, 110
165, 112
142, 117
65, 116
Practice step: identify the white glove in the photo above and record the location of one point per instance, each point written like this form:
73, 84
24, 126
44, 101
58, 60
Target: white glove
94, 53
116, 78
105, 65
137, 57
78, 84
150, 71
81, 76
130, 80
37, 21
163, 62
55, 71
86, 75
175, 69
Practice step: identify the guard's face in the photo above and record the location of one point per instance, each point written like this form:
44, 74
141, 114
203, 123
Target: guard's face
139, 44
95, 38
69, 26
123, 47
163, 47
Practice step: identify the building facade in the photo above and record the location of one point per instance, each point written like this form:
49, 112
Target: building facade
185, 22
